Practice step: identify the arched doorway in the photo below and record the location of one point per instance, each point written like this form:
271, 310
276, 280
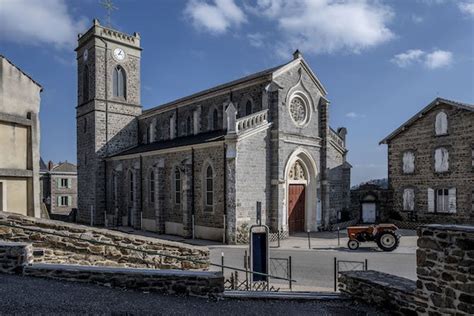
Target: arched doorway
299, 207
297, 181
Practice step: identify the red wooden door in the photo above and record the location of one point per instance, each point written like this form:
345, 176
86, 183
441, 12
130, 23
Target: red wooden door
296, 196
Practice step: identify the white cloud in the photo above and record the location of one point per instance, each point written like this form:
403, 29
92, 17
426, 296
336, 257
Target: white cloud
39, 22
256, 39
216, 16
354, 115
407, 58
417, 19
438, 59
435, 59
327, 26
467, 7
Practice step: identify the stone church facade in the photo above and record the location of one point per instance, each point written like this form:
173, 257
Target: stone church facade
197, 166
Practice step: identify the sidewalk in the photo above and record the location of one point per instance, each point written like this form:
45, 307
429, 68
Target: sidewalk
318, 241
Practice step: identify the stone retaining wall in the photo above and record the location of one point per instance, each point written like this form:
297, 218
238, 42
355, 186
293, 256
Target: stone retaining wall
14, 257
67, 249
387, 291
445, 260
162, 281
445, 269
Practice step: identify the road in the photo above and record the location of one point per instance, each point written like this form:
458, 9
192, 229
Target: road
314, 269
30, 296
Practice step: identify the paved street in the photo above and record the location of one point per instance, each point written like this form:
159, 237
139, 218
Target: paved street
314, 269
27, 296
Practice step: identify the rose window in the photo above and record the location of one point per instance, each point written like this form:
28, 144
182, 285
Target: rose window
298, 110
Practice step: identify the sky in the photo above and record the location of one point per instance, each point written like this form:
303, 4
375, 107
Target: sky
381, 61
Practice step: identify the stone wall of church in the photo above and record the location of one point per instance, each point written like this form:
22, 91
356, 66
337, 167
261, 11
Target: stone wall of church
252, 178
164, 214
205, 109
421, 139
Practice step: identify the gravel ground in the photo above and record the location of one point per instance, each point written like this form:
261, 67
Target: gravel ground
25, 295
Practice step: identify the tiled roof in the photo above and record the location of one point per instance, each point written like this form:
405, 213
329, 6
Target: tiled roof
64, 167
201, 138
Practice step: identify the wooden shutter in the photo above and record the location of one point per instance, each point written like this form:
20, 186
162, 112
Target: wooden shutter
431, 200
452, 200
58, 183
59, 200
69, 183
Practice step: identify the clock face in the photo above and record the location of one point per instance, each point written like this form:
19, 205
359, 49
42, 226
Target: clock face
85, 54
119, 54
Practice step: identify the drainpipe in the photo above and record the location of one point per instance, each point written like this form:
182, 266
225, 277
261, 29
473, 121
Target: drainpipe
192, 191
225, 193
141, 191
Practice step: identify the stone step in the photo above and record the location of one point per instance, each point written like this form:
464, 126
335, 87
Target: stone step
295, 295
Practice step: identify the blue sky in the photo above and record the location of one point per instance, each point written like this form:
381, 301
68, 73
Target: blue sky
381, 61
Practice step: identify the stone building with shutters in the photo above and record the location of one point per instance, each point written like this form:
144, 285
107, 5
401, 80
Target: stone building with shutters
431, 164
58, 184
197, 166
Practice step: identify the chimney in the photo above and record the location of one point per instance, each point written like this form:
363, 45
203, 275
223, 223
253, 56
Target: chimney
50, 165
342, 132
297, 54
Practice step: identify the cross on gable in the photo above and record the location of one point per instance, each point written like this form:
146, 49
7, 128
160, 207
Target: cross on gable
109, 7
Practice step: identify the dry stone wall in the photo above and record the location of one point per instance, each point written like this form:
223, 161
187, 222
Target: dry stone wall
65, 243
445, 269
15, 256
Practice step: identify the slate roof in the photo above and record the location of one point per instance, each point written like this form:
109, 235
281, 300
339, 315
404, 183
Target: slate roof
253, 76
435, 102
201, 138
28, 76
64, 167
43, 167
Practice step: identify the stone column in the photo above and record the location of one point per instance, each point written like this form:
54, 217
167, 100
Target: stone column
187, 199
324, 134
231, 219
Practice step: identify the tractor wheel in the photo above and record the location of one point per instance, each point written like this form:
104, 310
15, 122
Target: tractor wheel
353, 244
387, 241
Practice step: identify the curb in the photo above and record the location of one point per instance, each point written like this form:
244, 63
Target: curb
262, 295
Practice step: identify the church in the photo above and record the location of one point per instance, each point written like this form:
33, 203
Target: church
211, 164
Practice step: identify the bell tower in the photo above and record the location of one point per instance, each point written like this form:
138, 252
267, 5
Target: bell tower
108, 103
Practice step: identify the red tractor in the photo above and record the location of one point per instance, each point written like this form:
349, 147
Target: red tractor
385, 235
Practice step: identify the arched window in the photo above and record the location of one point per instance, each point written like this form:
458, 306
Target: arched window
177, 186
408, 162
189, 125
441, 124
119, 82
85, 84
152, 186
215, 120
209, 187
248, 108
131, 182
441, 159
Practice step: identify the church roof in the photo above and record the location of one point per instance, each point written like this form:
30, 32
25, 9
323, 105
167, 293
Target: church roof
24, 73
270, 73
201, 138
435, 102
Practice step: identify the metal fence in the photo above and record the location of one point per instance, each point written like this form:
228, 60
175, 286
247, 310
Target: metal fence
347, 265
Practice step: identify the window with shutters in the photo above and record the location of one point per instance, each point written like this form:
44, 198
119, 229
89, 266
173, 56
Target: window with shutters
64, 183
441, 124
177, 186
63, 200
441, 159
119, 83
442, 200
408, 162
409, 199
209, 186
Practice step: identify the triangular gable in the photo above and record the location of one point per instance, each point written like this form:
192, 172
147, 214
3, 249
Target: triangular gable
420, 114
